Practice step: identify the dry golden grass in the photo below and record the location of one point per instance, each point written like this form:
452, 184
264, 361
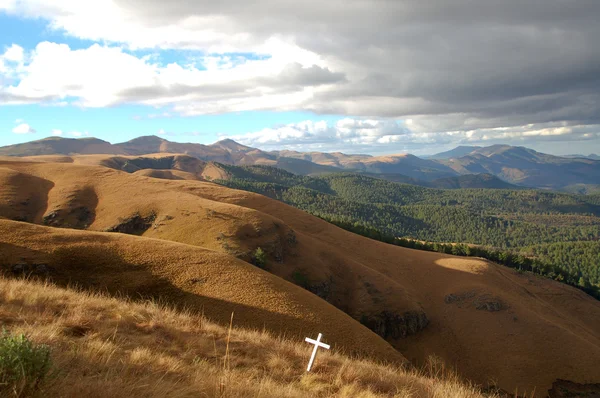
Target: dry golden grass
111, 347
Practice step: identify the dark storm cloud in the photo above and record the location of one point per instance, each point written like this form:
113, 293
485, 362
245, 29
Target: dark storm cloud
292, 77
537, 59
179, 90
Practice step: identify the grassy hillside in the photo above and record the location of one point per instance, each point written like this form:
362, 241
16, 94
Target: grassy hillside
506, 219
196, 246
181, 275
109, 347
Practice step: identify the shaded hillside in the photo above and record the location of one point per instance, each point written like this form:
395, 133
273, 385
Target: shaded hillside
102, 346
457, 152
470, 181
523, 166
406, 165
506, 219
191, 277
592, 156
467, 181
466, 311
194, 169
582, 189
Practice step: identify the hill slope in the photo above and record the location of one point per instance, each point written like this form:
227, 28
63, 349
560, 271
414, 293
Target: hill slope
103, 346
405, 164
523, 166
184, 276
471, 181
506, 221
61, 146
457, 152
488, 321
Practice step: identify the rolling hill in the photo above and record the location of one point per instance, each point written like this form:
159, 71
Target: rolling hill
501, 223
523, 166
61, 146
512, 165
71, 220
404, 164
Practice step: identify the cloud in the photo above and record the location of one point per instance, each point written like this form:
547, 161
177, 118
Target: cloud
14, 53
23, 128
101, 76
460, 66
78, 134
347, 134
380, 136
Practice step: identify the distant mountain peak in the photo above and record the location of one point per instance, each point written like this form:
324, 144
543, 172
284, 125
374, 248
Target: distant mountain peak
457, 152
503, 150
227, 141
55, 138
231, 145
147, 139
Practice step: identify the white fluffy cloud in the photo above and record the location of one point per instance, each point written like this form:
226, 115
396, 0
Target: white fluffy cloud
76, 134
79, 134
456, 69
23, 128
101, 76
14, 53
385, 136
346, 134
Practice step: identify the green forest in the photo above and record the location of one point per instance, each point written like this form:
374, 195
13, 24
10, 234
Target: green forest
550, 233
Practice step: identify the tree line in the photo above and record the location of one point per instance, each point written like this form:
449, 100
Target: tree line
549, 233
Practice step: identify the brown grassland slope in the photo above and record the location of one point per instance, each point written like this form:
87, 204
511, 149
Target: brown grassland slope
110, 347
187, 276
490, 323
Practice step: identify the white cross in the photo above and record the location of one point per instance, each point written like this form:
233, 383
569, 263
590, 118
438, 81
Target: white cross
317, 344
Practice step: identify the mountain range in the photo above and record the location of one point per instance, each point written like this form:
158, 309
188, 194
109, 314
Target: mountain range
592, 156
499, 166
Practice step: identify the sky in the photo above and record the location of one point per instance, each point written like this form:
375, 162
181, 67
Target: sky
357, 76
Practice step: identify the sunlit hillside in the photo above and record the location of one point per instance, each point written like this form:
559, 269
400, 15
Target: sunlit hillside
110, 347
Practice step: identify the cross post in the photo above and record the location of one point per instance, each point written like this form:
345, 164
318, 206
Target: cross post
317, 344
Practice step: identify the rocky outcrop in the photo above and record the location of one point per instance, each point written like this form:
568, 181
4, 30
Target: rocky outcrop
134, 225
564, 388
78, 218
488, 303
29, 269
393, 325
76, 210
480, 301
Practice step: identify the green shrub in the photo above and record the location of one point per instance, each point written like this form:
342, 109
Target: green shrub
23, 365
259, 258
301, 279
